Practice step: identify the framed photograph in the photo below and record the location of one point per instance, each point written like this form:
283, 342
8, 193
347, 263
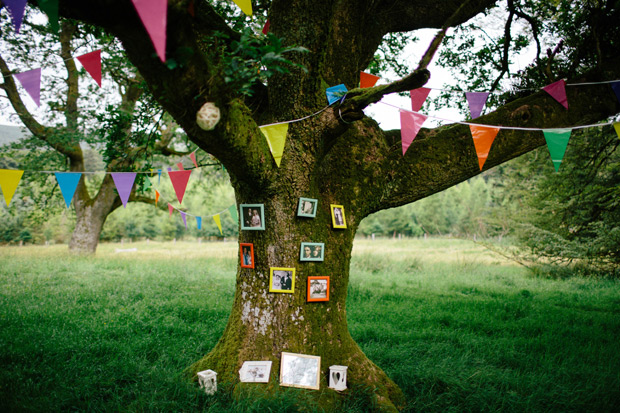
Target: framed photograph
338, 219
307, 207
246, 250
255, 372
318, 289
281, 280
300, 370
312, 251
252, 217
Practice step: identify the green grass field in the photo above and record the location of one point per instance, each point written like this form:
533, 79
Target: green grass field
456, 327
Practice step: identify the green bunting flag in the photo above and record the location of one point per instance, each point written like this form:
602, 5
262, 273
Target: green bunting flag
233, 213
557, 141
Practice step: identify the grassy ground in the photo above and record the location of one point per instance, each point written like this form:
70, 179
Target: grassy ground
458, 328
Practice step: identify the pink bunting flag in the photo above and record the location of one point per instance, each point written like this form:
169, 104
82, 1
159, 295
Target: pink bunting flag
368, 80
184, 218
124, 183
557, 90
192, 156
16, 10
410, 125
180, 166
483, 139
418, 97
170, 209
31, 81
92, 64
153, 14
476, 102
179, 182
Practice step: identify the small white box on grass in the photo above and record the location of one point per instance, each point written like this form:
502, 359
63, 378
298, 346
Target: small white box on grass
338, 377
207, 379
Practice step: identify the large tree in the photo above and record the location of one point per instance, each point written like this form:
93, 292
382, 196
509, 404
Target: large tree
339, 156
120, 121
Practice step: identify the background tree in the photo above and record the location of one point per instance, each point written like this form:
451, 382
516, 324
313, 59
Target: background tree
123, 122
338, 156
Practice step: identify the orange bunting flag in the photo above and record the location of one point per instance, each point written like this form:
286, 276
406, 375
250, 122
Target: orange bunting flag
179, 182
218, 222
9, 179
410, 125
170, 209
156, 197
483, 139
367, 80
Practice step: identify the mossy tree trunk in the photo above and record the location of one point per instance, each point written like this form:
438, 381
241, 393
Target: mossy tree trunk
338, 156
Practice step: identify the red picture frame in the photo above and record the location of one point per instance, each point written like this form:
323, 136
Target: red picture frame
318, 289
246, 262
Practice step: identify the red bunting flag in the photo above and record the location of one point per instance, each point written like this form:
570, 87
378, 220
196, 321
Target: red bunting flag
418, 97
153, 14
92, 64
266, 27
31, 81
410, 124
483, 139
192, 156
368, 80
179, 182
557, 90
170, 209
180, 165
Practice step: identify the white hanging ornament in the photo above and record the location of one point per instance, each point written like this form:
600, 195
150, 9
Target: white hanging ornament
208, 116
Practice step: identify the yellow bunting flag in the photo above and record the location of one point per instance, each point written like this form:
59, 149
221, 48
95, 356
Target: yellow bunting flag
276, 138
483, 139
245, 6
216, 218
9, 179
617, 128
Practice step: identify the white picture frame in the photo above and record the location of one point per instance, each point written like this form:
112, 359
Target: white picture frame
300, 370
255, 372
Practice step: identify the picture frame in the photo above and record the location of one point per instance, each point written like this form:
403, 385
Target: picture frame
255, 372
338, 218
281, 280
252, 217
312, 251
246, 253
318, 288
307, 207
300, 370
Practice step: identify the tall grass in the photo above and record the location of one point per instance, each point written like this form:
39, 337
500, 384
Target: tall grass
456, 327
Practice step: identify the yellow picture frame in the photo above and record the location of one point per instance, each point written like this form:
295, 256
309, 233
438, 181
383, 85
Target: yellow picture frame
279, 280
338, 217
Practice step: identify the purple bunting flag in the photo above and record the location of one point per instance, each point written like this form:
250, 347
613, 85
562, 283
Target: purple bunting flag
184, 218
476, 102
31, 81
16, 9
124, 183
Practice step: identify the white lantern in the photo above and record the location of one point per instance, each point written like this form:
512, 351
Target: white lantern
338, 377
208, 116
207, 380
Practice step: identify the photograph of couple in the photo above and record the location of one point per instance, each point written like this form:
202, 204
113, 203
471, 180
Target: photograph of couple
282, 280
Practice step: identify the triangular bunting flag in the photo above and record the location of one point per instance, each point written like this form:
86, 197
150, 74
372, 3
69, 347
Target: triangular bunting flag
92, 64
156, 197
557, 141
335, 93
68, 182
170, 210
50, 7
31, 81
184, 218
418, 97
266, 27
276, 138
146, 184
159, 176
483, 139
557, 90
476, 101
9, 179
179, 182
617, 128
192, 156
233, 213
124, 182
16, 9
368, 80
180, 166
153, 14
218, 222
245, 6
199, 222
616, 88
410, 124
